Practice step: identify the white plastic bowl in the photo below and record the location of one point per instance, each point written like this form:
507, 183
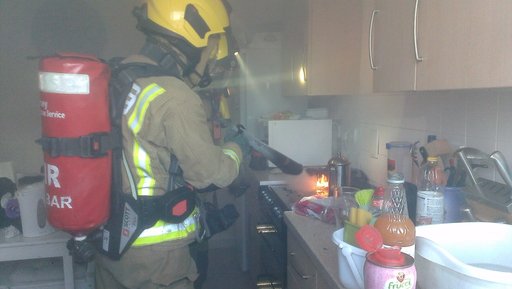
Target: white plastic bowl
473, 255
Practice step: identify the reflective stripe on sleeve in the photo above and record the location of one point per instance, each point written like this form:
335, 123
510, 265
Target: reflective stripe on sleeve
141, 158
232, 154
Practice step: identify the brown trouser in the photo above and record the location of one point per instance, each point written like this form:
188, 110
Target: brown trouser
149, 267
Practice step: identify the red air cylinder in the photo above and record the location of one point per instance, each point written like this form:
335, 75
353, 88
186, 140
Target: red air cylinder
74, 106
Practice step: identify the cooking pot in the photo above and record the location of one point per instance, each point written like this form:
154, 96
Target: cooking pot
339, 172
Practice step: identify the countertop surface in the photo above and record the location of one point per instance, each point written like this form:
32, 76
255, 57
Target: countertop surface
316, 237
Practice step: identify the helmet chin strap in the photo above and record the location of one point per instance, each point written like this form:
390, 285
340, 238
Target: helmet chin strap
164, 53
205, 79
166, 60
166, 57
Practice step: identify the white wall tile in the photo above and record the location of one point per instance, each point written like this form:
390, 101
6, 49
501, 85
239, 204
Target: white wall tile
453, 113
476, 118
422, 111
482, 113
504, 130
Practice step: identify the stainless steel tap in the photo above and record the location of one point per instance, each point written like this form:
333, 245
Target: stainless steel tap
502, 167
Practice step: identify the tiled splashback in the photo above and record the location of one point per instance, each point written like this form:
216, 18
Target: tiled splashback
476, 118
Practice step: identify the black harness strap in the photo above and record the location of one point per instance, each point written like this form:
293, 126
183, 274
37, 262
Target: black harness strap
89, 146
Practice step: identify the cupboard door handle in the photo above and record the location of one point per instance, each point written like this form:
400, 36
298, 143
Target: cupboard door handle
370, 40
415, 32
302, 276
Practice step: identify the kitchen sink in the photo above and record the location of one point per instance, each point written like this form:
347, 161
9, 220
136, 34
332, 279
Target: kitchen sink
470, 255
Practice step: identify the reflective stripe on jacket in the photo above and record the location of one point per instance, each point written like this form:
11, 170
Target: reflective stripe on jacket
161, 231
163, 116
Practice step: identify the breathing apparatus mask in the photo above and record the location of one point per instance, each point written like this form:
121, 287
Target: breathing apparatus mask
207, 64
198, 73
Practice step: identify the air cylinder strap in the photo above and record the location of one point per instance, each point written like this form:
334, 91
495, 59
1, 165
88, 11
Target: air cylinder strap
89, 146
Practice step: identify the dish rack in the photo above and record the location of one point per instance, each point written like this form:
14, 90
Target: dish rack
492, 193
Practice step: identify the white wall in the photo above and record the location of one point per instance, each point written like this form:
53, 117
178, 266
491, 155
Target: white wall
263, 97
476, 118
479, 118
31, 28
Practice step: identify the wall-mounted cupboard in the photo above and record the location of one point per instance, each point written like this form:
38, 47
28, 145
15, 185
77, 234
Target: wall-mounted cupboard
440, 44
338, 47
321, 47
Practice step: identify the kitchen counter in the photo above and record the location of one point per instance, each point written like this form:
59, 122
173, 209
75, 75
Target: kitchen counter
316, 236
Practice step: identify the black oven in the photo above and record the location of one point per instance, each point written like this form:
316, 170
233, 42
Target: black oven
271, 230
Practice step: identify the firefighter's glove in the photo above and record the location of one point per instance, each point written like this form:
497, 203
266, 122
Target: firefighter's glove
236, 136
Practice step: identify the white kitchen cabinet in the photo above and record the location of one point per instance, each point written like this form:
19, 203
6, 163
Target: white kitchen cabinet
393, 49
464, 44
321, 38
440, 44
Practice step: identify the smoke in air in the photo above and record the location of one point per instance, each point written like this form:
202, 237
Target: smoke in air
304, 184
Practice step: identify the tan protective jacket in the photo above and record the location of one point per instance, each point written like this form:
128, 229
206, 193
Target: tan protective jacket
173, 120
164, 116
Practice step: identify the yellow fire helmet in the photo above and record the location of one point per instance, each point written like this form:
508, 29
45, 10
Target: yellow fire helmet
191, 20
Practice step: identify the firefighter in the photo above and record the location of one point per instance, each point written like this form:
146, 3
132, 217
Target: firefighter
164, 117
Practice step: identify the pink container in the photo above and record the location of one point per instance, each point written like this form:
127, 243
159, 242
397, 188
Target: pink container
381, 272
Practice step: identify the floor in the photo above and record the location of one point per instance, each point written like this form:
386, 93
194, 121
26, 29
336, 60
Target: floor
224, 271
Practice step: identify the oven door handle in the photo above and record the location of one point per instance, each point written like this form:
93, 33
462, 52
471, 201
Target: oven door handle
266, 229
265, 236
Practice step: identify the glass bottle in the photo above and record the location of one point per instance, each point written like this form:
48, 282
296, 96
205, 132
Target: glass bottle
394, 224
395, 201
430, 199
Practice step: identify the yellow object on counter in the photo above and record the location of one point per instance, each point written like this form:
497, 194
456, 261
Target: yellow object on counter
363, 217
359, 216
352, 218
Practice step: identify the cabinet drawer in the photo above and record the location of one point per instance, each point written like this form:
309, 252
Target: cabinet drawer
299, 263
295, 281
